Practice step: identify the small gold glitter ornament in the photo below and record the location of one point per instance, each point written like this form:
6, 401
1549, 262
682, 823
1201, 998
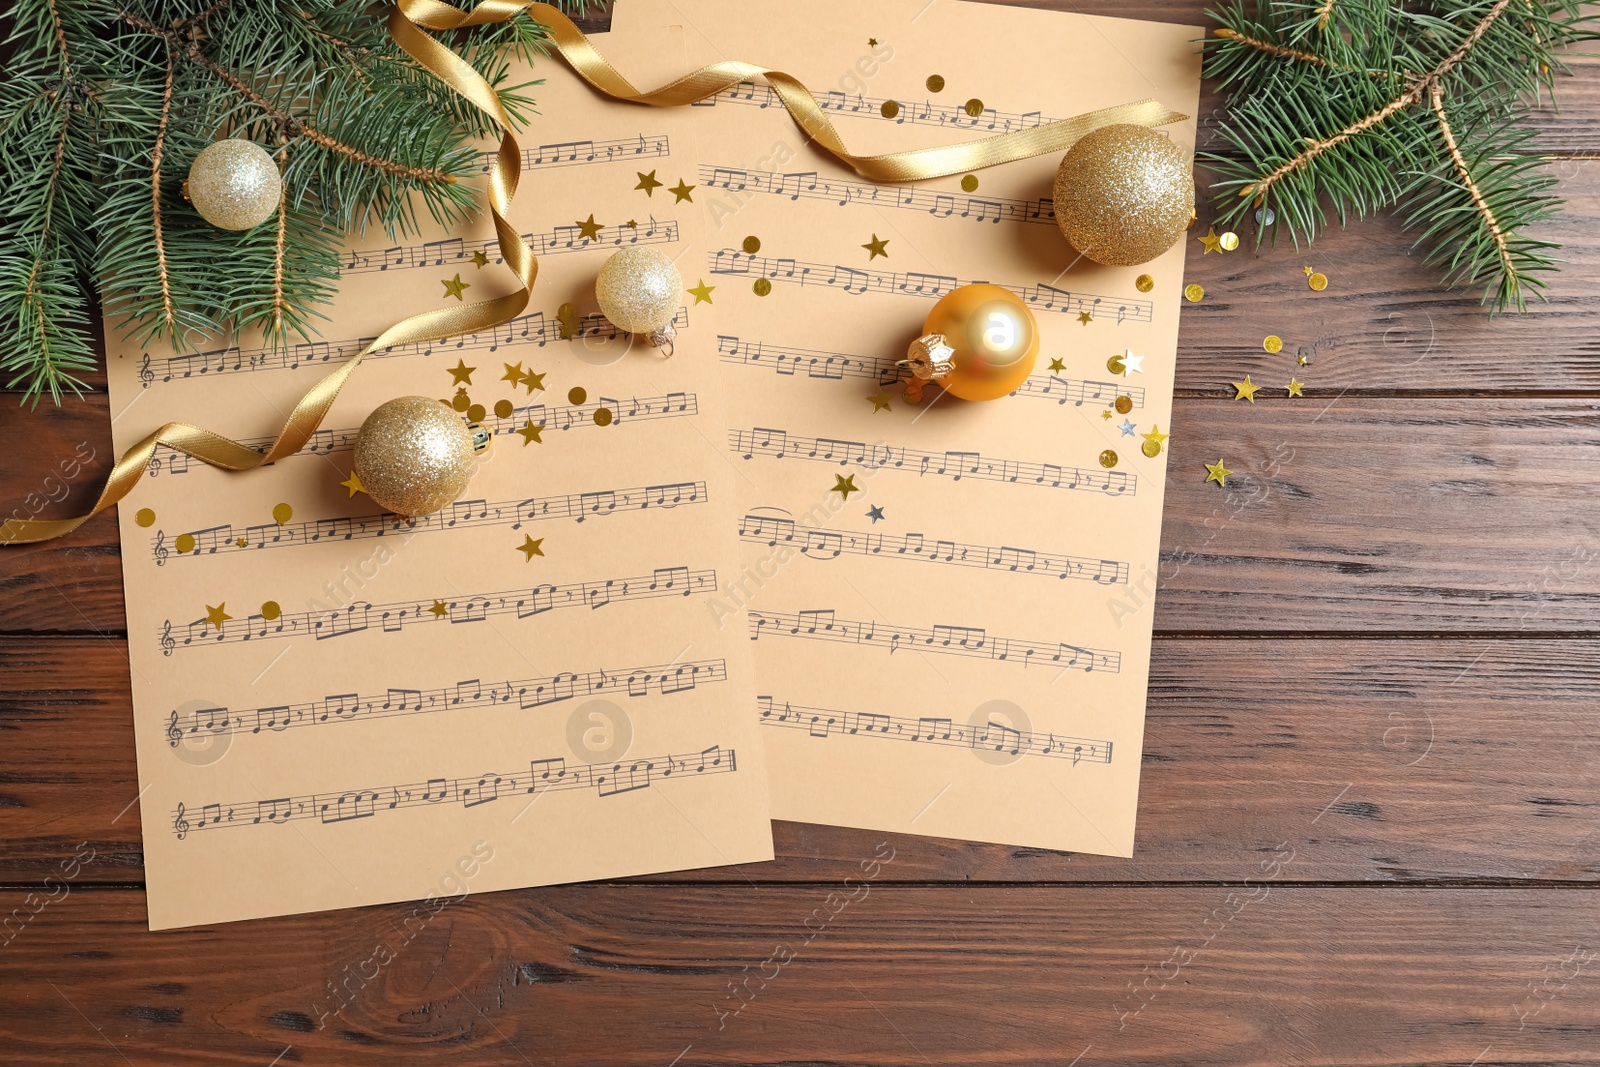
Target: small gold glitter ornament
638, 291
414, 455
979, 342
234, 184
1123, 195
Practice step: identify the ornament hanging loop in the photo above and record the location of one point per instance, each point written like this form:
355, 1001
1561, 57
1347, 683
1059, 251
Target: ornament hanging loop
663, 339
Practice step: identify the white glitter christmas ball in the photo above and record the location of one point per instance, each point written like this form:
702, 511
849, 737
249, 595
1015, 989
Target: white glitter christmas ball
234, 184
638, 289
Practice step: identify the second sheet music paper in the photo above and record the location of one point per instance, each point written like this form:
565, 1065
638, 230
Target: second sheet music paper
335, 707
958, 647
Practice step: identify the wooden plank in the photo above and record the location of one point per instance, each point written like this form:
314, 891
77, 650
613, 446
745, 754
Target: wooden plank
1345, 513
1263, 974
1384, 761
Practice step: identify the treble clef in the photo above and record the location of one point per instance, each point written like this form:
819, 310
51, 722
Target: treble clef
161, 548
180, 825
167, 642
174, 735
146, 375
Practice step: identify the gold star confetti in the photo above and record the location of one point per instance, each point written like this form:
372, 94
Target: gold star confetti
184, 544
1085, 318
353, 483
876, 248
969, 183
1106, 414
1211, 242
480, 259
439, 610
461, 374
702, 292
1318, 281
762, 286
530, 433
1108, 459
567, 315
1229, 241
880, 401
270, 610
1307, 270
530, 548
533, 381
1144, 283
681, 191
577, 395
503, 408
216, 616
752, 244
1272, 343
456, 287
648, 182
589, 230
241, 542
1152, 441
1216, 472
633, 224
1246, 389
1304, 359
513, 374
603, 416
1195, 293
146, 517
872, 42
844, 486
1056, 364
1294, 387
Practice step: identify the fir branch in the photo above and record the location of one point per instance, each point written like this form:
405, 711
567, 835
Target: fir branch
168, 317
1436, 95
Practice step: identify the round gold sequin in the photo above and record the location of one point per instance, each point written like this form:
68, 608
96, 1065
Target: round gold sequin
973, 107
270, 610
889, 109
503, 408
1124, 404
1151, 448
1273, 343
577, 395
935, 83
1144, 283
282, 513
763, 286
1229, 241
475, 413
1194, 292
752, 244
1108, 458
184, 544
461, 401
145, 517
969, 183
1114, 365
602, 417
1318, 281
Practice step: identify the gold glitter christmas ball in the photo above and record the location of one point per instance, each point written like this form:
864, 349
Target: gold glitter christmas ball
234, 184
638, 290
414, 455
1123, 195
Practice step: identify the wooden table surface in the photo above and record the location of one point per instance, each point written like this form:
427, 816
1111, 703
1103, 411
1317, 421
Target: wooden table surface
1374, 686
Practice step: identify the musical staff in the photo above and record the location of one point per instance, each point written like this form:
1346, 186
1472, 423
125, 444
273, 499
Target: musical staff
470, 791
836, 366
457, 251
927, 113
811, 186
968, 641
561, 417
533, 329
524, 693
927, 730
816, 543
578, 507
584, 153
856, 281
953, 465
326, 623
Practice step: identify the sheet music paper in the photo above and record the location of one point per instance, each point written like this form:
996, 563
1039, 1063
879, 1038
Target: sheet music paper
961, 648
424, 709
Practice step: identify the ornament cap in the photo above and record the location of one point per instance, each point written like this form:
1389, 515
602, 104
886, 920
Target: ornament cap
929, 358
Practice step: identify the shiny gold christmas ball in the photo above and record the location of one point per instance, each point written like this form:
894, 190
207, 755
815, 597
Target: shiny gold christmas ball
638, 289
234, 184
1123, 195
414, 455
991, 337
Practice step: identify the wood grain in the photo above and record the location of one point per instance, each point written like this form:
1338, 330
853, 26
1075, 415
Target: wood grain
1379, 761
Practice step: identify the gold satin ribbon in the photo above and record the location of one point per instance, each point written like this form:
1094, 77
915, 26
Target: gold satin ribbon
407, 25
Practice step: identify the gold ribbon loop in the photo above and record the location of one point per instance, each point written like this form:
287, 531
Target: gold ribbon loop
407, 25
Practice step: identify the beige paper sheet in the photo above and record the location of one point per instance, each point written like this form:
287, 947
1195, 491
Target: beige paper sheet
973, 663
434, 712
